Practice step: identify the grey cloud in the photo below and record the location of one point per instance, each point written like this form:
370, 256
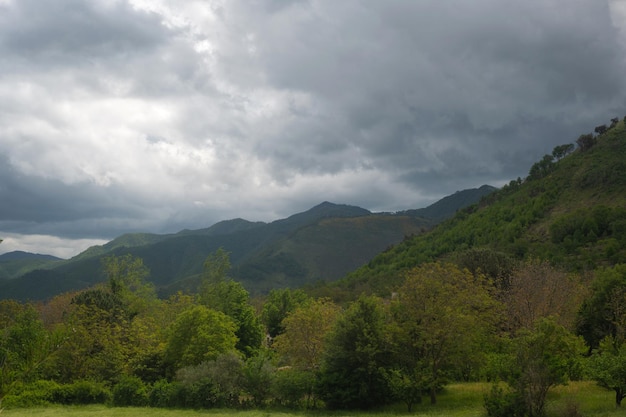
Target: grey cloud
265, 107
77, 30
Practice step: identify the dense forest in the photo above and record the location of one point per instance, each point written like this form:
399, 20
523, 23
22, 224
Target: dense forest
526, 289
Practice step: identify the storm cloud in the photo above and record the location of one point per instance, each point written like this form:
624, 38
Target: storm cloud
133, 115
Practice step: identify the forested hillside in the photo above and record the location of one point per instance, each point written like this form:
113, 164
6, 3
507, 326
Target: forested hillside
570, 210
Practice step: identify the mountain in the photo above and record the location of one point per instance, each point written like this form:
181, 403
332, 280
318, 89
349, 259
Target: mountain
323, 243
20, 255
448, 206
570, 211
17, 263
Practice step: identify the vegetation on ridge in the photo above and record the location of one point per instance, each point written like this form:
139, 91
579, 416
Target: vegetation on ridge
570, 210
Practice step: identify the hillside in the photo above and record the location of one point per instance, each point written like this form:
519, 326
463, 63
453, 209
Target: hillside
323, 243
570, 211
17, 263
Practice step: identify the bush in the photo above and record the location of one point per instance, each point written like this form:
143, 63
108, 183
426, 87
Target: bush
130, 391
82, 392
37, 394
291, 386
499, 403
165, 394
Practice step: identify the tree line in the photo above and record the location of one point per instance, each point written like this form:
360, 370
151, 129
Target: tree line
525, 327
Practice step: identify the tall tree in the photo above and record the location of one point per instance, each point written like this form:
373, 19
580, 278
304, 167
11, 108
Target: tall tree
221, 293
544, 357
604, 312
127, 277
302, 342
444, 316
24, 347
607, 366
353, 372
199, 334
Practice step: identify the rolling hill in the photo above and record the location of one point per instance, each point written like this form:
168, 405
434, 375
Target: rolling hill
323, 243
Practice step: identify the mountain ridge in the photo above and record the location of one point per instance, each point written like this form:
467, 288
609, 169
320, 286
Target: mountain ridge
264, 255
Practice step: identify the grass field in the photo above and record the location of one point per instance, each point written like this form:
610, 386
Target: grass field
458, 400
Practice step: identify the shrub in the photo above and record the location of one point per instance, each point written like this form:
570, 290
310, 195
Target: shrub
290, 386
38, 393
501, 403
164, 394
130, 391
82, 392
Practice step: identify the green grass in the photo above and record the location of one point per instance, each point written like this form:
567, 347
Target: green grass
457, 400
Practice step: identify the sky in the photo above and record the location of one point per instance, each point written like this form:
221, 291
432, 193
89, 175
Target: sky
121, 116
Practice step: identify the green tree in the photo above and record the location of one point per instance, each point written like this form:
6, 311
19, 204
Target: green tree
353, 372
279, 303
24, 347
219, 292
445, 316
258, 374
127, 278
302, 342
542, 358
95, 345
559, 152
607, 366
604, 312
199, 334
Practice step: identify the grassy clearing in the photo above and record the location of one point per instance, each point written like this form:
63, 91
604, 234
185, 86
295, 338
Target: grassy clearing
457, 400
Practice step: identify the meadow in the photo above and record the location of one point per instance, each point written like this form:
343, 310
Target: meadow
457, 400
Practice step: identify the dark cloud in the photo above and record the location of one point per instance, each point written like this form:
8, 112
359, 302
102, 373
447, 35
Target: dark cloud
71, 31
125, 115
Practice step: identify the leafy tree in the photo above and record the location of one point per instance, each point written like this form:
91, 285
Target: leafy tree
445, 316
9, 310
95, 346
279, 303
221, 293
604, 312
607, 366
585, 142
600, 129
127, 277
559, 152
496, 266
258, 373
542, 168
353, 372
199, 334
225, 374
302, 343
24, 347
405, 386
543, 357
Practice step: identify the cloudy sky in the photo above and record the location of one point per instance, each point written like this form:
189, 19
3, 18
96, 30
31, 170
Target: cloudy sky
157, 115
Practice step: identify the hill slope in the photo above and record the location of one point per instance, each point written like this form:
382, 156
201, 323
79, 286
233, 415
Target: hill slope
17, 263
325, 242
570, 211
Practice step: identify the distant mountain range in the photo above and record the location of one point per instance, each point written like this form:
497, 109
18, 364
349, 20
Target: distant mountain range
323, 243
